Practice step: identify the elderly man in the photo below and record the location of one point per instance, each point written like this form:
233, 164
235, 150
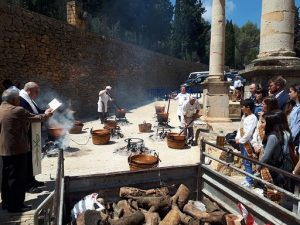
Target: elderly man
181, 97
190, 112
277, 89
252, 90
14, 148
28, 95
104, 97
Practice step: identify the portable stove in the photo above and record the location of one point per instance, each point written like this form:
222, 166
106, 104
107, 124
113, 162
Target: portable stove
134, 146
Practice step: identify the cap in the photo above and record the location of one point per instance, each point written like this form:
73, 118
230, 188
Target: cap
108, 88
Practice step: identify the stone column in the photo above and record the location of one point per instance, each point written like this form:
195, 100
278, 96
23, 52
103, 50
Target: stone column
277, 28
215, 100
217, 40
75, 14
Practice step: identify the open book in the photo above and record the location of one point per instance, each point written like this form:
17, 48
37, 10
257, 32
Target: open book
54, 104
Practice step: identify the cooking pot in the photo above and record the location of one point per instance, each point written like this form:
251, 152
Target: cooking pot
159, 109
110, 123
56, 132
143, 161
100, 137
145, 127
77, 127
162, 117
120, 113
176, 140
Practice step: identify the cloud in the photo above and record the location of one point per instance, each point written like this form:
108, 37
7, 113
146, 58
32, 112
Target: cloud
230, 7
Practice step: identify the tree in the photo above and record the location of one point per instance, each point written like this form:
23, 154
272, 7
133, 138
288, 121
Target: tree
229, 44
297, 32
247, 44
189, 30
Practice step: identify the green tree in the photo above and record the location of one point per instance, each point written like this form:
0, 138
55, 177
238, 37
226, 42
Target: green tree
229, 44
297, 32
190, 31
247, 44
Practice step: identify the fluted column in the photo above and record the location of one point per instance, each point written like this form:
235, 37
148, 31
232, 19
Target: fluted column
217, 40
277, 28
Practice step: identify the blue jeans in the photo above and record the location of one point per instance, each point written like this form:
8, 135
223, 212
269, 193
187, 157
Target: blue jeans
247, 164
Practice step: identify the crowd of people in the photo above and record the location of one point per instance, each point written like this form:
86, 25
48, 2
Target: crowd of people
270, 130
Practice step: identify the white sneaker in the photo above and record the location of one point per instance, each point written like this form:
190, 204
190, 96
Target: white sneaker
247, 185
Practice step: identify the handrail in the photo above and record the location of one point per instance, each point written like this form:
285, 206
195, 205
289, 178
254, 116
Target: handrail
42, 206
59, 192
275, 169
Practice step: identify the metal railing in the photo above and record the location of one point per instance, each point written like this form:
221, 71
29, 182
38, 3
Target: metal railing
59, 191
214, 180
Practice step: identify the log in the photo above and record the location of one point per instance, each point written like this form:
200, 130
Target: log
118, 212
128, 192
210, 206
137, 218
91, 217
191, 210
232, 219
172, 218
151, 218
181, 197
126, 207
153, 204
185, 219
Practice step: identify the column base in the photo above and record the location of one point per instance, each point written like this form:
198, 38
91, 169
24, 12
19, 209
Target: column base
216, 119
216, 101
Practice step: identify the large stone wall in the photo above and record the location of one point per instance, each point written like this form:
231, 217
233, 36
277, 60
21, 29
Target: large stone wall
74, 65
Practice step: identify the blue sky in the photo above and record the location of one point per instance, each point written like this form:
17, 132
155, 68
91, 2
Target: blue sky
239, 11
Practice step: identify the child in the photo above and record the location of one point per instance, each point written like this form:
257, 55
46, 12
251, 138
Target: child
244, 135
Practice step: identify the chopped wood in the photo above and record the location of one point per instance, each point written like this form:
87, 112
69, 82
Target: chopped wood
126, 207
153, 204
191, 210
184, 218
137, 218
151, 218
181, 197
232, 219
128, 192
172, 218
91, 217
133, 204
118, 212
210, 206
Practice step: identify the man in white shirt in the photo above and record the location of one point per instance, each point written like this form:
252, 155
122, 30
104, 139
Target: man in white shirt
104, 97
244, 135
181, 97
190, 112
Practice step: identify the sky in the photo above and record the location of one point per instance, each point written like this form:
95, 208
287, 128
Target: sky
239, 11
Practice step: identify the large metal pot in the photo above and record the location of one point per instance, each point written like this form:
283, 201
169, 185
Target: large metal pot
100, 137
159, 109
143, 161
175, 141
120, 113
77, 127
162, 117
110, 123
56, 132
145, 127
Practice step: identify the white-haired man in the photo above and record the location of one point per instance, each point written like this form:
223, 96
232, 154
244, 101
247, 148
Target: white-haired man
14, 147
28, 95
104, 97
190, 112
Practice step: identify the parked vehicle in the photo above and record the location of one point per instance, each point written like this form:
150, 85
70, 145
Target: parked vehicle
195, 80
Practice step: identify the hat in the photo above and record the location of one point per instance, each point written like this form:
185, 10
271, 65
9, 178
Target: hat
108, 88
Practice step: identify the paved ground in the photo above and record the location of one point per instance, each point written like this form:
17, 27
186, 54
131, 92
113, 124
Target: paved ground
85, 158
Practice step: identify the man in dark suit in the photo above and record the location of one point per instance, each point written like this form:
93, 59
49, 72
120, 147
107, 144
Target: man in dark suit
276, 89
28, 94
14, 147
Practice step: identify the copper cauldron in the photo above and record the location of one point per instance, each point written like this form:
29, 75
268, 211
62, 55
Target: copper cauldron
159, 109
162, 117
77, 127
143, 161
56, 132
120, 113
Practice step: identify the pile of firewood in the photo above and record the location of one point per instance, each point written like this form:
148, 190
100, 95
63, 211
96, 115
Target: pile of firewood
157, 207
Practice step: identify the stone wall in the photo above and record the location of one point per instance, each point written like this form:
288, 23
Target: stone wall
74, 65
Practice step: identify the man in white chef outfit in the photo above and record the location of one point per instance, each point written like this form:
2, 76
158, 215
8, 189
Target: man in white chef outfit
104, 97
190, 110
181, 97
